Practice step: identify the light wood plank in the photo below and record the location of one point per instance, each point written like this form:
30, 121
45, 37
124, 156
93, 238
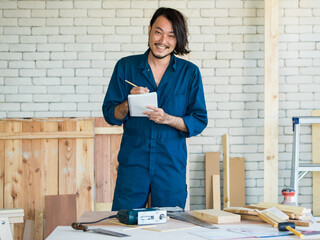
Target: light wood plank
2, 166
237, 182
67, 159
46, 135
14, 182
28, 233
85, 168
115, 146
216, 192
108, 130
216, 216
38, 224
102, 165
271, 66
212, 167
226, 171
316, 159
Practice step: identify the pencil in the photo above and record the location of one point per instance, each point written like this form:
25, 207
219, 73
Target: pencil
131, 83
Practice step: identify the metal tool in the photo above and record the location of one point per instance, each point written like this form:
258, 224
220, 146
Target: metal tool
289, 226
186, 217
142, 216
79, 226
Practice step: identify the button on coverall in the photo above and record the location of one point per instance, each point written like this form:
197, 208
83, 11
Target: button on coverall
152, 157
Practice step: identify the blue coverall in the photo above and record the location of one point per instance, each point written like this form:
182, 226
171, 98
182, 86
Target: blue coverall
152, 157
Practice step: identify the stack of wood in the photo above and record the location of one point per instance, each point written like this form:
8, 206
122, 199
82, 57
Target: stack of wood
299, 215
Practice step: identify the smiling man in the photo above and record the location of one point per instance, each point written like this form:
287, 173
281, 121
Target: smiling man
153, 154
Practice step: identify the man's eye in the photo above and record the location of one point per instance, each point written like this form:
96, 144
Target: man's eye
172, 36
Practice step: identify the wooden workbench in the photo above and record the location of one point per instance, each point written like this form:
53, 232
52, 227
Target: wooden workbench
172, 230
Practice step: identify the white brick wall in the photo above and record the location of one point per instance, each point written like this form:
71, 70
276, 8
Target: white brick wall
56, 58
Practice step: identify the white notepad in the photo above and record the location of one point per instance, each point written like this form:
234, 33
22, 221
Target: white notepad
138, 103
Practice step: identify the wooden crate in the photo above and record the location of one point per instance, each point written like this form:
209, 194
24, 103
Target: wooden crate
41, 157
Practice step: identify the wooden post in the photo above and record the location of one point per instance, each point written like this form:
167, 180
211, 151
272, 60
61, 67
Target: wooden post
271, 33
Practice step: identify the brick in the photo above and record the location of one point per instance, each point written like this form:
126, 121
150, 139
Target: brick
61, 39
45, 98
9, 39
89, 72
89, 39
75, 98
45, 31
60, 89
19, 98
31, 4
116, 21
33, 39
74, 81
59, 21
9, 72
35, 55
115, 4
44, 13
8, 4
71, 106
46, 81
60, 72
181, 5
8, 22
101, 30
17, 31
90, 55
7, 107
87, 4
63, 55
16, 13
73, 30
228, 21
59, 4
87, 21
129, 12
76, 64
21, 64
144, 4
22, 47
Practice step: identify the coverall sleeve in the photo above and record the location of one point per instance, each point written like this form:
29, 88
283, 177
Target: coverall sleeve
115, 95
196, 115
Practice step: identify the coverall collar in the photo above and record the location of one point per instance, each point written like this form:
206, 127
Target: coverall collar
146, 69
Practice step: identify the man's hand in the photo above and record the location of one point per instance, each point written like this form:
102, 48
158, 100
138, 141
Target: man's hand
160, 117
139, 90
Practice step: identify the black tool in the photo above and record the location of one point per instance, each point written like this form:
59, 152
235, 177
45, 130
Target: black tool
186, 217
289, 226
79, 226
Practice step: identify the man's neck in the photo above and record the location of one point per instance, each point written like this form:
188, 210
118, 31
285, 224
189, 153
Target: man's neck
158, 63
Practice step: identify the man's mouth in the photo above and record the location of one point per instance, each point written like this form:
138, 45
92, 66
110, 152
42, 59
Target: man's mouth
161, 46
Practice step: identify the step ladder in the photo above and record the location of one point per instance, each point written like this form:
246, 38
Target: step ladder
298, 170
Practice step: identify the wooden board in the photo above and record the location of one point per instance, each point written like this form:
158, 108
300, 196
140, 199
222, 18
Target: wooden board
61, 210
216, 196
212, 167
107, 145
316, 159
2, 166
271, 65
216, 216
226, 171
237, 182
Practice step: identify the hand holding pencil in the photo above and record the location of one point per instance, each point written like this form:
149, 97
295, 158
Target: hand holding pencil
136, 89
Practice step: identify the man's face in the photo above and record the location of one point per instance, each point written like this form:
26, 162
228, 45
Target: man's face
162, 40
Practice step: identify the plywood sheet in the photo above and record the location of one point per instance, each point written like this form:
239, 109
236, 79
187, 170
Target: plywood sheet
61, 210
212, 167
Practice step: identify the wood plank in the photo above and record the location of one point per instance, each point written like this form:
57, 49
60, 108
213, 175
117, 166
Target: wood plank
115, 147
85, 168
226, 171
46, 135
38, 224
108, 130
271, 65
2, 165
61, 210
216, 196
102, 165
212, 167
216, 216
316, 160
67, 159
237, 182
14, 183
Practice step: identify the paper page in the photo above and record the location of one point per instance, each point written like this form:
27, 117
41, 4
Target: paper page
138, 103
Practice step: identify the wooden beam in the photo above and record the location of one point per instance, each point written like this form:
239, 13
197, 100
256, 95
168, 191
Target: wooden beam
45, 135
108, 130
271, 64
316, 160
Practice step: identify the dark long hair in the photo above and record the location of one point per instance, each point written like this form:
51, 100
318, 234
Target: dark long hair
179, 25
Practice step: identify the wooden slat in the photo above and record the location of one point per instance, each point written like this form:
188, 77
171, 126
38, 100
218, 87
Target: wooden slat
216, 192
2, 166
46, 135
28, 232
85, 168
108, 130
115, 146
102, 165
67, 159
38, 224
237, 182
14, 182
212, 167
226, 171
271, 66
316, 159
